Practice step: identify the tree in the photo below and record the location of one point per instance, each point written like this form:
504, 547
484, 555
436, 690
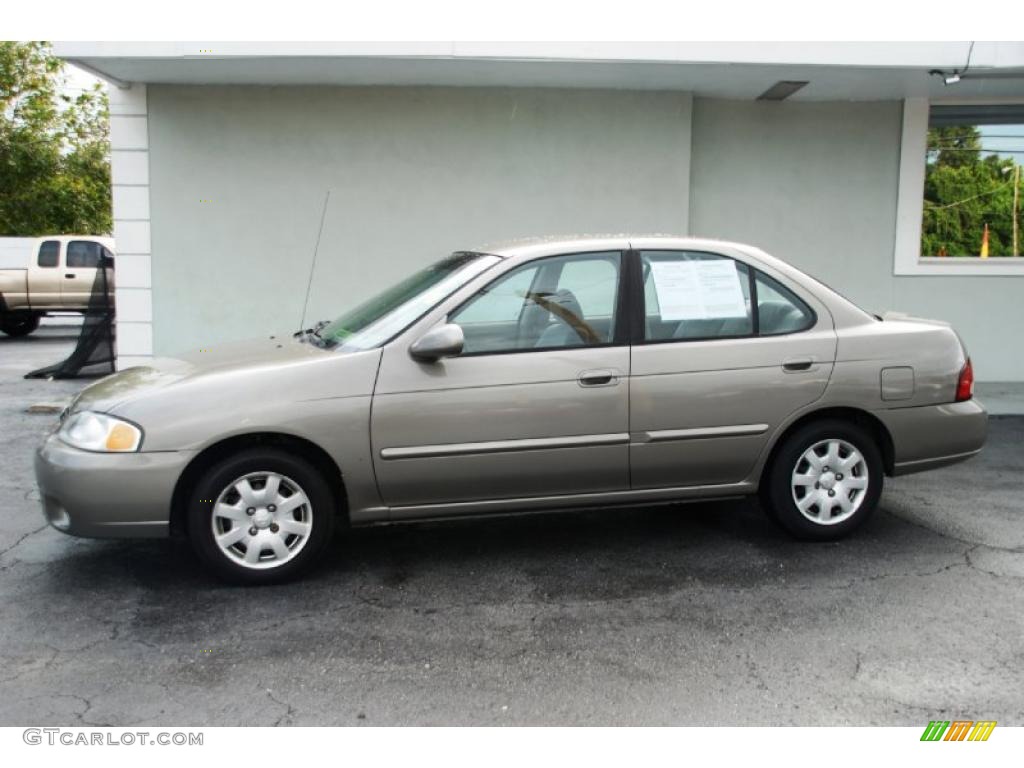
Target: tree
964, 191
54, 148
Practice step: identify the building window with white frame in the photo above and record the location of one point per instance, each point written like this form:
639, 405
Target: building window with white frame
972, 183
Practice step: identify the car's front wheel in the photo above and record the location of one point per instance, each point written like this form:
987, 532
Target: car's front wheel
825, 480
261, 516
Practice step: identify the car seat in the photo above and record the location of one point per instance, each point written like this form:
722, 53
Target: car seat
560, 333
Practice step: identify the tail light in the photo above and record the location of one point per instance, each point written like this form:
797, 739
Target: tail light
965, 384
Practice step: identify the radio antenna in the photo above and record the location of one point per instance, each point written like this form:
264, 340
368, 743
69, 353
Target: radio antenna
312, 267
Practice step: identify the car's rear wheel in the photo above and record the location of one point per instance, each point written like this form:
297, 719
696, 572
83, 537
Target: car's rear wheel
19, 323
261, 516
825, 480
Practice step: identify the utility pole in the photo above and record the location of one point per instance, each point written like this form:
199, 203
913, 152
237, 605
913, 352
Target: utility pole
1016, 204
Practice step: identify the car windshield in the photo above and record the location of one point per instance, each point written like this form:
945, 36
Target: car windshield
377, 320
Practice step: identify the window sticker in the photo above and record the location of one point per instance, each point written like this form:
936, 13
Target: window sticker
698, 290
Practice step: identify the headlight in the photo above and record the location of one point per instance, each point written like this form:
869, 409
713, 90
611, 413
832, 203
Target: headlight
100, 432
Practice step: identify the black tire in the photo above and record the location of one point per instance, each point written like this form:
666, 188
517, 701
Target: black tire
17, 324
780, 496
219, 479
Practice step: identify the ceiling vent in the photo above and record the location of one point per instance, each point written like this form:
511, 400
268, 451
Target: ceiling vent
782, 90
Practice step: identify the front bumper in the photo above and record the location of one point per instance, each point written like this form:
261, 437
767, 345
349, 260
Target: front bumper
932, 436
107, 495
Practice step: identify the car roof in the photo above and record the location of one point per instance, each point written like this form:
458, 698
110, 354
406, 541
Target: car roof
103, 239
549, 246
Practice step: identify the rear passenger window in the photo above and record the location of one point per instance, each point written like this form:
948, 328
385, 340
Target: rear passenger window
83, 254
779, 310
49, 253
695, 295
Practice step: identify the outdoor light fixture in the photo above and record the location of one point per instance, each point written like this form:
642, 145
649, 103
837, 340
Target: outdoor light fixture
952, 78
949, 78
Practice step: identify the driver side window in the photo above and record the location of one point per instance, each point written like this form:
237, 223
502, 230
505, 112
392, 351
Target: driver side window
553, 303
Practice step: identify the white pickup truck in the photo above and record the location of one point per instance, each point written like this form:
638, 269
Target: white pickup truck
43, 275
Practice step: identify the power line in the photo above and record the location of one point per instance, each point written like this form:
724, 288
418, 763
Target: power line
934, 207
979, 149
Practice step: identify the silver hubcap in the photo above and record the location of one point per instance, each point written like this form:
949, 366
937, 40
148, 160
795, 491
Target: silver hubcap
262, 520
830, 481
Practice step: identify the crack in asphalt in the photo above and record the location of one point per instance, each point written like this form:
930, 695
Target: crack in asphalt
972, 546
89, 704
79, 715
947, 534
289, 709
905, 705
971, 564
22, 538
55, 652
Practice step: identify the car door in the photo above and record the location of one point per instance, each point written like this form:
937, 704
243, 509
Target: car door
80, 260
44, 282
536, 405
725, 354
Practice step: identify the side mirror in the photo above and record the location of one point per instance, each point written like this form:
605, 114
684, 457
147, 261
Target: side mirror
442, 341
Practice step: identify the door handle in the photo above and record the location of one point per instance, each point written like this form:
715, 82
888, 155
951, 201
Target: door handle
69, 275
598, 378
797, 364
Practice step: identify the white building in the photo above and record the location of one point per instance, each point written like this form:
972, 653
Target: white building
223, 154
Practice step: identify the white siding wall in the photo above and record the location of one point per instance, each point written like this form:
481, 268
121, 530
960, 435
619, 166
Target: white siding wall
239, 175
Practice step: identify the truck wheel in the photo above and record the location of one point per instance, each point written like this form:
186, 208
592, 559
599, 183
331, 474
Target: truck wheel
19, 323
261, 516
825, 480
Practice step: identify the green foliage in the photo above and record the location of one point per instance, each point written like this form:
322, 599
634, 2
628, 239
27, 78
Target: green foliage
54, 148
963, 191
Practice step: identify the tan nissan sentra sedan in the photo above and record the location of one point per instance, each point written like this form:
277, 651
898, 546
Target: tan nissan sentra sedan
545, 375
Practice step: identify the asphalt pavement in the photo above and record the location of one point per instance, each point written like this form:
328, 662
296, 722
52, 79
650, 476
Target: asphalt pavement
700, 614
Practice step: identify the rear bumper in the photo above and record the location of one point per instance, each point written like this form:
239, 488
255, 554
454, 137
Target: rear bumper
107, 495
932, 436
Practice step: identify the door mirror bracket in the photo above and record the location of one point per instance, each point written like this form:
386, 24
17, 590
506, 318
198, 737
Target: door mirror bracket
443, 341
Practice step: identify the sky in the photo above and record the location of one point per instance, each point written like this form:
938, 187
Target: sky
78, 79
1005, 137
